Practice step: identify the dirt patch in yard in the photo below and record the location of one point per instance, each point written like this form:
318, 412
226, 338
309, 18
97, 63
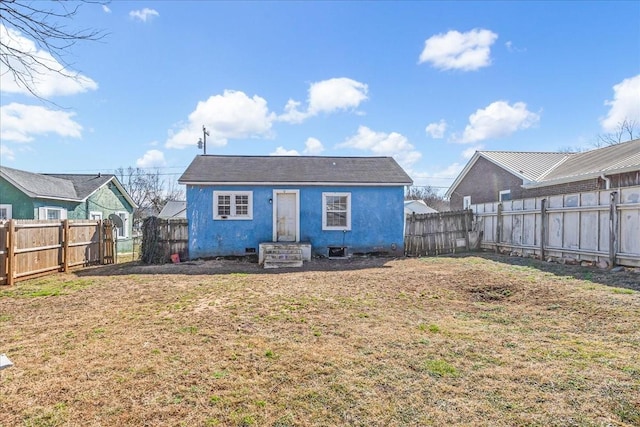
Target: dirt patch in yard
465, 340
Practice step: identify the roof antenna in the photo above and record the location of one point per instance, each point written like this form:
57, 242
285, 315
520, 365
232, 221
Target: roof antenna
203, 143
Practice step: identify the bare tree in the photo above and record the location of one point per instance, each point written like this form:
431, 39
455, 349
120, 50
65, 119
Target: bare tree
148, 190
624, 132
430, 196
44, 24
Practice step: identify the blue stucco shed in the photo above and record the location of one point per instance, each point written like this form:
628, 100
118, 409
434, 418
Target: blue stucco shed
236, 203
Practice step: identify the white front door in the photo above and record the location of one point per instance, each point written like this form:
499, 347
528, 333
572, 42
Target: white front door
286, 218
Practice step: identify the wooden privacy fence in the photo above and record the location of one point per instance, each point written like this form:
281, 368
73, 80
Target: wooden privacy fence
439, 233
164, 240
591, 226
30, 248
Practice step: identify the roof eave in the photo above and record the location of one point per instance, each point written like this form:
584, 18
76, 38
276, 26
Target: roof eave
462, 174
62, 199
297, 183
123, 192
575, 178
18, 186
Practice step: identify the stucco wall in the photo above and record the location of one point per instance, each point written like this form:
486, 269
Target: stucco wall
376, 221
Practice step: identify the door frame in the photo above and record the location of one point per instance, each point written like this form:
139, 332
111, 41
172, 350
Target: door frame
275, 212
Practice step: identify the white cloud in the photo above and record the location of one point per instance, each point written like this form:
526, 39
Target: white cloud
151, 159
313, 146
6, 153
512, 48
469, 152
327, 96
383, 144
46, 76
232, 115
436, 130
292, 114
497, 120
106, 9
624, 106
144, 14
336, 94
459, 51
281, 151
20, 123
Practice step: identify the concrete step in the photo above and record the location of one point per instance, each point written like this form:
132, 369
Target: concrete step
278, 255
283, 257
283, 252
283, 264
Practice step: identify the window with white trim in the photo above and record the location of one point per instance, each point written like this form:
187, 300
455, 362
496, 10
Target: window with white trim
5, 212
123, 232
95, 215
232, 205
52, 213
336, 211
505, 195
466, 202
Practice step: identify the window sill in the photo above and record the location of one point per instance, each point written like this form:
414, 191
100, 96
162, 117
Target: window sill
232, 218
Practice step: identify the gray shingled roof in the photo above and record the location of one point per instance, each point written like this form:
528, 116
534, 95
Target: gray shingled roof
174, 209
84, 184
39, 186
306, 170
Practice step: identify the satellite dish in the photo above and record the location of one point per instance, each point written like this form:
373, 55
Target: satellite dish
117, 221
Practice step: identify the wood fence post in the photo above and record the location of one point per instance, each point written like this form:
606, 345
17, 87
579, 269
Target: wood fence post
11, 252
468, 219
498, 235
100, 242
543, 226
65, 245
613, 228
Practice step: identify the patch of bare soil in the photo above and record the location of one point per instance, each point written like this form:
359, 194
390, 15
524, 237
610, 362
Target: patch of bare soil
230, 265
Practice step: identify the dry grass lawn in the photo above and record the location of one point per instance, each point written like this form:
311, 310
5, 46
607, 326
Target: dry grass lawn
412, 342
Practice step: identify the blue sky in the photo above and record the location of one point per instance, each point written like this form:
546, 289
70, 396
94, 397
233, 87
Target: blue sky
426, 82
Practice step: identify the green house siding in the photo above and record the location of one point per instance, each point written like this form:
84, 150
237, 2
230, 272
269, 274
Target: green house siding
70, 207
22, 205
107, 200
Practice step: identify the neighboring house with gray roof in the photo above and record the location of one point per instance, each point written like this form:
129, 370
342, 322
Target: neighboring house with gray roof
417, 207
28, 195
492, 176
235, 203
174, 209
